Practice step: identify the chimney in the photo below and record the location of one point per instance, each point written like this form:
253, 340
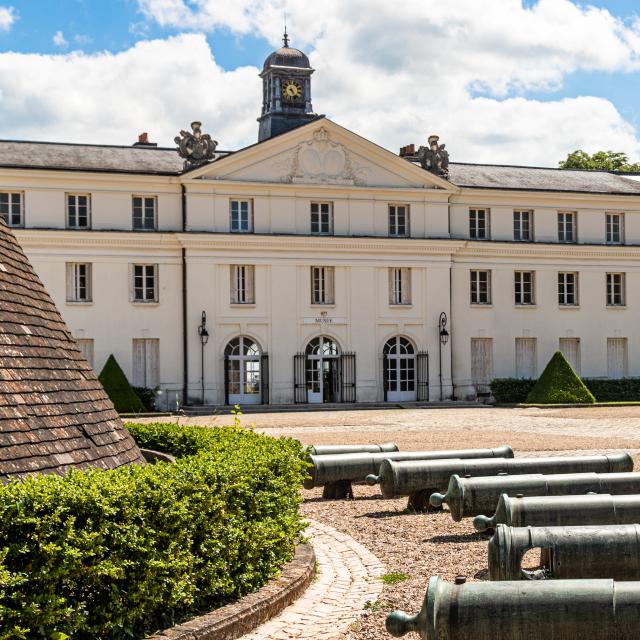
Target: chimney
143, 141
408, 150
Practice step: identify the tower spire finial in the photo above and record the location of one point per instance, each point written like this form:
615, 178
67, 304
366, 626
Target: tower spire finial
285, 39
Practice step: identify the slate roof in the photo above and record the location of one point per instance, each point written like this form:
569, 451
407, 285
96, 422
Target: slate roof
54, 413
166, 161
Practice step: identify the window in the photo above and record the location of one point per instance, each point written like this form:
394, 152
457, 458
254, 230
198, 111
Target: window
399, 285
523, 226
614, 228
399, 220
86, 348
242, 284
615, 290
78, 211
568, 289
567, 227
145, 283
146, 357
479, 224
144, 213
617, 360
11, 208
526, 358
241, 212
322, 285
78, 282
480, 287
570, 349
321, 218
524, 283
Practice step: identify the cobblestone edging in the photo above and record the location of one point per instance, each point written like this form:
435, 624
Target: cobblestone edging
233, 620
348, 576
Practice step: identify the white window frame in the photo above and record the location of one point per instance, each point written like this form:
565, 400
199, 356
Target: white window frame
567, 222
322, 285
479, 223
567, 289
399, 286
79, 282
523, 219
73, 210
241, 221
616, 289
321, 218
143, 218
475, 293
399, 219
610, 217
144, 271
7, 208
242, 284
524, 283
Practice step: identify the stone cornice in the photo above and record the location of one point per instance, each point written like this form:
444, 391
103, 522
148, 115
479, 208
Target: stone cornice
470, 196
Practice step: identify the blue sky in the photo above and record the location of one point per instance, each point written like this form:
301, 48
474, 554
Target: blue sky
572, 79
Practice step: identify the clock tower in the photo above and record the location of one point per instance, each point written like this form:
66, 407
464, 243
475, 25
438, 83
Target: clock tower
286, 91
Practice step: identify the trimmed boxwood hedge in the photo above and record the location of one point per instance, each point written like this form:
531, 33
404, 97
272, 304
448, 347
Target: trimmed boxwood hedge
558, 384
119, 554
516, 390
117, 386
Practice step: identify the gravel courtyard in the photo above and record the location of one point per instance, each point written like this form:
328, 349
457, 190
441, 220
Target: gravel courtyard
419, 546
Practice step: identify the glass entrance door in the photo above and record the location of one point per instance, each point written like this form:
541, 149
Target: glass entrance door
400, 370
242, 359
322, 370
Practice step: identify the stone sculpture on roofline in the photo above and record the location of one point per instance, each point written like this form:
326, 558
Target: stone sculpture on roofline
434, 158
195, 147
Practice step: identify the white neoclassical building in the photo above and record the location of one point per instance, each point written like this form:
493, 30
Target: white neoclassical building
323, 263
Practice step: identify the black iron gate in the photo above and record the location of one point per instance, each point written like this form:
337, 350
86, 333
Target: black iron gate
264, 378
226, 380
422, 376
348, 377
385, 376
300, 395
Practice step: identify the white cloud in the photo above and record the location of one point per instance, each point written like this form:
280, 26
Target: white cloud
59, 40
398, 70
8, 17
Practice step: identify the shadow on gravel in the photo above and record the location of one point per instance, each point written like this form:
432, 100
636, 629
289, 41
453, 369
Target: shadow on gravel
338, 502
467, 537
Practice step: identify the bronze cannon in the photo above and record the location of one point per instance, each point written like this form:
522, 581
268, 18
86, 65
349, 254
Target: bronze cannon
562, 511
331, 449
337, 472
606, 551
420, 479
524, 610
469, 497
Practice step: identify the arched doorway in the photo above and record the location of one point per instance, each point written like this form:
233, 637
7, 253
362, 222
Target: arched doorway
243, 369
322, 371
399, 370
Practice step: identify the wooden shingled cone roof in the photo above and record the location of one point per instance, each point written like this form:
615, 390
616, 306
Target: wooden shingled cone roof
54, 413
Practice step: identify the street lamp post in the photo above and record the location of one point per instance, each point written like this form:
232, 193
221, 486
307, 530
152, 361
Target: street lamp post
444, 338
204, 338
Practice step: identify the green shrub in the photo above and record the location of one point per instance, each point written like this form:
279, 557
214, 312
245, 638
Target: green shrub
559, 384
119, 554
117, 386
147, 397
623, 390
511, 390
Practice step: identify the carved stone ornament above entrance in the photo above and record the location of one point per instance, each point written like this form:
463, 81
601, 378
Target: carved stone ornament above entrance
195, 147
321, 161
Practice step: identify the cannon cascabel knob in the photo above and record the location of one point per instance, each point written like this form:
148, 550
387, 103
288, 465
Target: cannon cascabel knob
398, 623
436, 499
372, 479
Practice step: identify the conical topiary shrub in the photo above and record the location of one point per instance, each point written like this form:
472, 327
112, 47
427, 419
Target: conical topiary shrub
559, 384
117, 386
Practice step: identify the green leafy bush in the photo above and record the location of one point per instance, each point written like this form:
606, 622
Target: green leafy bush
559, 384
119, 554
511, 390
622, 390
117, 386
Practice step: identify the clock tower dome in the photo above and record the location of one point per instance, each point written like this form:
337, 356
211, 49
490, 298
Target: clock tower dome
286, 91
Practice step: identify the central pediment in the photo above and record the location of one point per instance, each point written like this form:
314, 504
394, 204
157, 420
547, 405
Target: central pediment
320, 153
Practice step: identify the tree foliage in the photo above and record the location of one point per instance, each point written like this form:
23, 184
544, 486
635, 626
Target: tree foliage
601, 160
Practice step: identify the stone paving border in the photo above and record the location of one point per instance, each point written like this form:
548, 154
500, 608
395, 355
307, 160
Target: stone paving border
231, 621
348, 576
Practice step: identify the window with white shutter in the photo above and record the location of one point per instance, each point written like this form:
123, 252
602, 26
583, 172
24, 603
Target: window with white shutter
322, 218
617, 364
241, 216
322, 285
616, 290
146, 363
480, 287
399, 285
86, 348
570, 348
526, 358
567, 289
481, 362
614, 228
242, 284
399, 220
78, 282
567, 226
144, 283
524, 282
523, 226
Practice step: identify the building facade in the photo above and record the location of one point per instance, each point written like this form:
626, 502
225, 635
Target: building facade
323, 263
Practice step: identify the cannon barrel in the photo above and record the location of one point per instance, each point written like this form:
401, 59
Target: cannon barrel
606, 551
562, 511
355, 467
469, 497
405, 478
524, 610
332, 449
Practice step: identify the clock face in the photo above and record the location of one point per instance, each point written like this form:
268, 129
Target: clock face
291, 90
